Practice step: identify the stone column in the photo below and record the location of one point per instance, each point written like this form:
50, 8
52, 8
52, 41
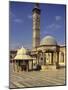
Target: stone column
13, 65
57, 62
44, 61
52, 58
32, 64
17, 65
37, 58
27, 66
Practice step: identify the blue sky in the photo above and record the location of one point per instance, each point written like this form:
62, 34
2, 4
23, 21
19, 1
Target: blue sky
52, 23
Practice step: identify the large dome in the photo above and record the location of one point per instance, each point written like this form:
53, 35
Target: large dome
48, 40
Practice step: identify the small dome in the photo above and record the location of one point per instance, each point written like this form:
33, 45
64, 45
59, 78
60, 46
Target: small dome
48, 40
22, 51
22, 55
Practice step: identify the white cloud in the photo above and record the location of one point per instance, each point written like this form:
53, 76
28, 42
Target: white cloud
29, 16
51, 26
17, 20
44, 32
54, 26
58, 18
14, 18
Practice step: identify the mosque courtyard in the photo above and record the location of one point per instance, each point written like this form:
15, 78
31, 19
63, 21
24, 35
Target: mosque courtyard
44, 64
37, 78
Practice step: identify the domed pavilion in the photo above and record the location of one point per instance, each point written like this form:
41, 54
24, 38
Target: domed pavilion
48, 53
23, 61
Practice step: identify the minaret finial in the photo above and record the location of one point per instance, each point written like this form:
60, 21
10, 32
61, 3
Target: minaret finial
37, 5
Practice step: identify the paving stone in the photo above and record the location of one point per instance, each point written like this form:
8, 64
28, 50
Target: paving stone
37, 78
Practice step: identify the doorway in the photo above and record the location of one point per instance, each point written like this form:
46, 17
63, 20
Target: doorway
23, 67
49, 57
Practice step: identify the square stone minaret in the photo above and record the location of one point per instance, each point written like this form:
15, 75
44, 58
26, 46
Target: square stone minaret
36, 26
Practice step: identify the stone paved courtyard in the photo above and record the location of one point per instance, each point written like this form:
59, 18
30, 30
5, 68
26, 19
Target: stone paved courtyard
37, 78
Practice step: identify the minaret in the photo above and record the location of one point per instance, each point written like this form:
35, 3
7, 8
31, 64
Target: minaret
36, 26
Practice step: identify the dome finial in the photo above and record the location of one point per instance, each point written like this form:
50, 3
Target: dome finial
22, 46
